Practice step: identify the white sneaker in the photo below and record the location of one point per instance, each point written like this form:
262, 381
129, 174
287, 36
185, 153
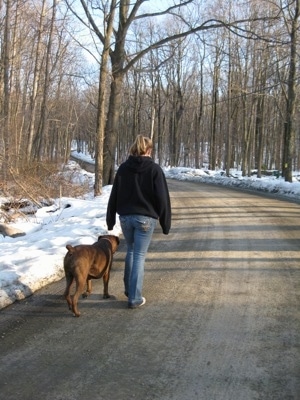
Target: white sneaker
138, 305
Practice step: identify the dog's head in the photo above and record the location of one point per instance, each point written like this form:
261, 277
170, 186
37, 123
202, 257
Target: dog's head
114, 240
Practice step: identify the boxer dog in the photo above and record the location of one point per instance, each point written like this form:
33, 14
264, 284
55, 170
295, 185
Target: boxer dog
83, 263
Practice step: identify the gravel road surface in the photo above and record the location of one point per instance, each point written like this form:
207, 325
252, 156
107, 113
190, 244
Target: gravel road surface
221, 322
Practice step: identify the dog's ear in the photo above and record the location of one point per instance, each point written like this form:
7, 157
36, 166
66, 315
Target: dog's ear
118, 239
70, 248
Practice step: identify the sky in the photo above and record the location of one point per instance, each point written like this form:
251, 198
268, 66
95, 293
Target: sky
32, 261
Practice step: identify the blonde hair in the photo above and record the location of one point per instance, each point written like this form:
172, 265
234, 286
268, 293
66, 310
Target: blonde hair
140, 146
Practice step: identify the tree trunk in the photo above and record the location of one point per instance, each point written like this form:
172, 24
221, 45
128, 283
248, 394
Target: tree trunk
289, 125
6, 90
111, 129
42, 129
101, 103
213, 150
35, 84
259, 123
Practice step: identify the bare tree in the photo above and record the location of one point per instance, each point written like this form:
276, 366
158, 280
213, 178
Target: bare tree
102, 98
39, 141
121, 62
5, 114
242, 108
289, 125
34, 50
36, 82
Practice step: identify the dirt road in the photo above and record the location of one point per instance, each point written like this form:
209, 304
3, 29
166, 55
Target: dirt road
222, 319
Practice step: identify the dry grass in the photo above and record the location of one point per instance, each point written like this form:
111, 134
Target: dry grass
38, 185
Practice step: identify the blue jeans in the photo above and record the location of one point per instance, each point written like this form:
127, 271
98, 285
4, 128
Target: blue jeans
137, 231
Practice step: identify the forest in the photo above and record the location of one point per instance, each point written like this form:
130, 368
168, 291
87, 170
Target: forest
214, 83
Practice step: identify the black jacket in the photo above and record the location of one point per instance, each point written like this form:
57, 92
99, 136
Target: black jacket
140, 187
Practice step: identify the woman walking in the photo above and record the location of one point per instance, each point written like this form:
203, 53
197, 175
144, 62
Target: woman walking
140, 196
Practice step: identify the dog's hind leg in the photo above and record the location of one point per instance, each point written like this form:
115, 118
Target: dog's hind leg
88, 288
105, 283
79, 289
67, 296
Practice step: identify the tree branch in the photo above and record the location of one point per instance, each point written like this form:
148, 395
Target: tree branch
89, 17
209, 24
167, 11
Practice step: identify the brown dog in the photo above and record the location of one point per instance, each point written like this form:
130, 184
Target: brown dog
85, 262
